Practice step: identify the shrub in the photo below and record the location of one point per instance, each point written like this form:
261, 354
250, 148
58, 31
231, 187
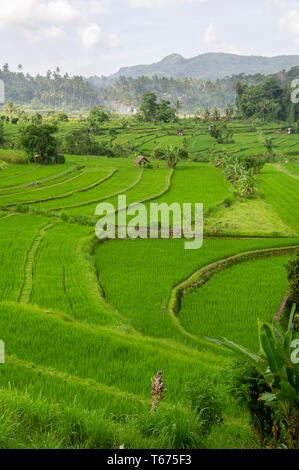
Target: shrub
293, 277
59, 159
246, 385
175, 427
62, 117
206, 403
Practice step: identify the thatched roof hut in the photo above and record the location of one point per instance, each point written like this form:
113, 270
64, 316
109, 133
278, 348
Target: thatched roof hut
141, 160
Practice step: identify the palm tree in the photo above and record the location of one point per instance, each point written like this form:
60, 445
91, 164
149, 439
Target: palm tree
207, 114
215, 114
172, 155
10, 109
264, 106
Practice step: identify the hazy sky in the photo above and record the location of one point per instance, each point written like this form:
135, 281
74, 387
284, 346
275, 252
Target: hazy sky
100, 36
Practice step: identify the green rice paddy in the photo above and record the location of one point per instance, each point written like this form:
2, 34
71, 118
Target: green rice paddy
86, 325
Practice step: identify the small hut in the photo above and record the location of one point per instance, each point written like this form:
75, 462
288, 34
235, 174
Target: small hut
141, 161
180, 132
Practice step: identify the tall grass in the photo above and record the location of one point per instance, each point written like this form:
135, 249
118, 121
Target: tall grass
137, 276
233, 300
282, 193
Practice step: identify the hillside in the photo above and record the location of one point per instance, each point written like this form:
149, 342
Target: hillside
210, 66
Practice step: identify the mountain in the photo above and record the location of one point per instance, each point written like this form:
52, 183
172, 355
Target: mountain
210, 66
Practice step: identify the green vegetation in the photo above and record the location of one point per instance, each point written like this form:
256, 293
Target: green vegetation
86, 325
276, 367
233, 300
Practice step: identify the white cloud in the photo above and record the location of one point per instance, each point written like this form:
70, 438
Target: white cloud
290, 24
113, 40
160, 3
91, 35
53, 32
60, 11
279, 3
36, 20
212, 45
32, 12
96, 7
209, 35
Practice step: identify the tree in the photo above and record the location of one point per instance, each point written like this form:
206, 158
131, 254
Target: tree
229, 112
39, 143
10, 109
97, 117
177, 107
149, 106
217, 132
81, 142
62, 117
172, 154
215, 114
277, 363
198, 114
37, 119
207, 114
1, 132
164, 112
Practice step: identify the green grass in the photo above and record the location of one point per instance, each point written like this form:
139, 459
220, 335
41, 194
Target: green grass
59, 277
17, 235
233, 300
87, 178
82, 203
23, 175
98, 354
281, 192
145, 271
86, 326
248, 217
197, 183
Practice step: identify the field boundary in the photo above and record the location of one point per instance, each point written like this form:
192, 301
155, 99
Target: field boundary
62, 196
65, 377
165, 190
87, 203
26, 291
39, 188
201, 276
285, 171
47, 179
84, 252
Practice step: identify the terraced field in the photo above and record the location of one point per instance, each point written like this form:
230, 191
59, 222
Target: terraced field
87, 325
234, 299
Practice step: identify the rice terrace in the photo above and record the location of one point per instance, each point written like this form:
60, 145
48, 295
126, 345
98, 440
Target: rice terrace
87, 323
149, 230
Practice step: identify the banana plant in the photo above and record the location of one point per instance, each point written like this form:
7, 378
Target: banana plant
278, 363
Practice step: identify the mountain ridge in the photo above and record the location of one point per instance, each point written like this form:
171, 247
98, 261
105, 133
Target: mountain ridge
211, 65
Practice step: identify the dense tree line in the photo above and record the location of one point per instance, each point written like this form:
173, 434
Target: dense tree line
270, 100
50, 91
255, 95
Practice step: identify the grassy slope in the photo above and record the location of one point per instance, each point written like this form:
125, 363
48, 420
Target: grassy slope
281, 192
232, 301
80, 358
145, 271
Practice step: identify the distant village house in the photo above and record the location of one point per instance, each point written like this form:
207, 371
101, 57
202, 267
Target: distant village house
141, 161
